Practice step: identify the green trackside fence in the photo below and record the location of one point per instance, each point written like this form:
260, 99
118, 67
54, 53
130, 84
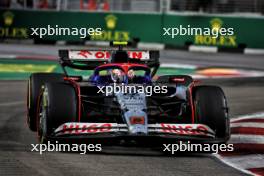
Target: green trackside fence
248, 31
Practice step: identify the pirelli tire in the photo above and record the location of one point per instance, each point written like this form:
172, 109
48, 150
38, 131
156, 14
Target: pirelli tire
57, 105
211, 109
35, 82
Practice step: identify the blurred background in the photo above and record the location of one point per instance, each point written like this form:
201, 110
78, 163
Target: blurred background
136, 20
205, 6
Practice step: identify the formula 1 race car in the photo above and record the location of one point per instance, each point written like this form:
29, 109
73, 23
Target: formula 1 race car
121, 100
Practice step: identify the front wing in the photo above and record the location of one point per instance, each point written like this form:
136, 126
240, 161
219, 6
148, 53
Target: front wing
79, 130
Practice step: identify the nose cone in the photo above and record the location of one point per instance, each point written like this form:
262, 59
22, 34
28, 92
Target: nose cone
137, 122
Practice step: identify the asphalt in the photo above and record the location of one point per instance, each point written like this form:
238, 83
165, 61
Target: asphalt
203, 59
244, 96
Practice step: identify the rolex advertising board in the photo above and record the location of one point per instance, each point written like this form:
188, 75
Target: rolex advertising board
129, 26
8, 28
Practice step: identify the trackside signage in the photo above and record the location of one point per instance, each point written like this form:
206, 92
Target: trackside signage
8, 29
105, 55
86, 128
221, 40
127, 26
111, 31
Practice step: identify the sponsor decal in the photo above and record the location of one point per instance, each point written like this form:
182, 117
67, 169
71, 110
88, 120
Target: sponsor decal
7, 30
134, 120
189, 129
104, 55
89, 128
110, 34
221, 40
77, 128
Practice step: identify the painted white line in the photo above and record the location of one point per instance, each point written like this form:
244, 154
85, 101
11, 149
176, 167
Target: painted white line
246, 139
7, 56
173, 65
247, 161
199, 76
251, 73
223, 159
97, 43
12, 103
253, 51
248, 124
157, 46
207, 49
259, 115
61, 42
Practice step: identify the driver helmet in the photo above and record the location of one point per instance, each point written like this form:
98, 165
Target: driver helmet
116, 75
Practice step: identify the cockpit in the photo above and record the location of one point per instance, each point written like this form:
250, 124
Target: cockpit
121, 73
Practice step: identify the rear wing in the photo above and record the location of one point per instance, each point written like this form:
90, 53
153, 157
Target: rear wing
90, 59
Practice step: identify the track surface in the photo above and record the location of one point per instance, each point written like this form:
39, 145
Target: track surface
15, 139
167, 56
16, 158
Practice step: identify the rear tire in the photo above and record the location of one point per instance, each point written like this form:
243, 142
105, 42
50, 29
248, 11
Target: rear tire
211, 109
58, 105
36, 81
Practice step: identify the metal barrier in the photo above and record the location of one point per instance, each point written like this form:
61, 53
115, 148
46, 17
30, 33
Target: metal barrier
86, 5
218, 6
143, 6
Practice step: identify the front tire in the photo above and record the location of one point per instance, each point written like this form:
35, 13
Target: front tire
58, 105
211, 109
35, 82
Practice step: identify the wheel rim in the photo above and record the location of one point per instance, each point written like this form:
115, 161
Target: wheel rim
43, 118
